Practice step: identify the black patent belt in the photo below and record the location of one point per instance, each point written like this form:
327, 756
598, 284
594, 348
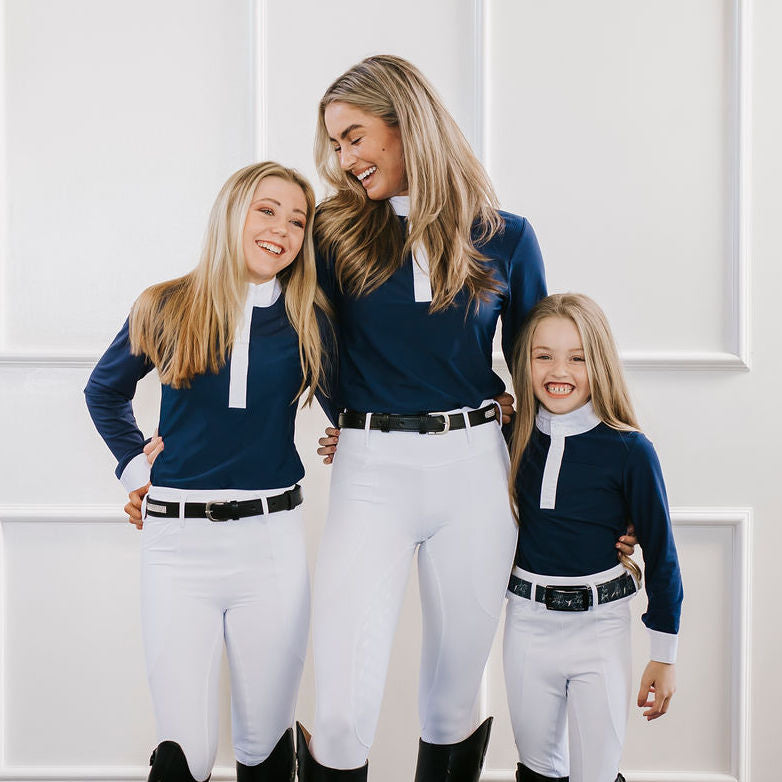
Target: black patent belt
225, 510
425, 423
563, 597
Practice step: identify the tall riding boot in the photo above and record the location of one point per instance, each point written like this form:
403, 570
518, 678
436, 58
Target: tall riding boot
280, 766
169, 764
524, 774
311, 771
460, 762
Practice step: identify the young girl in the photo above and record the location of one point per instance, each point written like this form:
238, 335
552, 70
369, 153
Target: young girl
580, 469
236, 342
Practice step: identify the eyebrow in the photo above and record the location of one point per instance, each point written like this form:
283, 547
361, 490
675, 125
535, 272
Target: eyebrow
274, 201
569, 350
348, 130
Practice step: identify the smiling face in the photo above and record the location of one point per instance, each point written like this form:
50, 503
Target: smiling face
274, 228
559, 372
368, 149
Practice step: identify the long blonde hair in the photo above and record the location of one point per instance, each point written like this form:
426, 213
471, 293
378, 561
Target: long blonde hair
450, 193
186, 326
610, 397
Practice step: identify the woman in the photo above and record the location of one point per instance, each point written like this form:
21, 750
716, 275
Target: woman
236, 342
420, 265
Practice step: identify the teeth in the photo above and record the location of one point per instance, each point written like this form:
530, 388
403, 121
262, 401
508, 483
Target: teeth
272, 248
554, 388
364, 174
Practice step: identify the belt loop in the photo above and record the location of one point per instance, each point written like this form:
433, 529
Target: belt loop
367, 423
594, 594
499, 412
265, 505
467, 426
182, 501
144, 506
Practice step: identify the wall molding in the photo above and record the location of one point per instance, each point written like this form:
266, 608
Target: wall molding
739, 521
93, 773
259, 82
738, 356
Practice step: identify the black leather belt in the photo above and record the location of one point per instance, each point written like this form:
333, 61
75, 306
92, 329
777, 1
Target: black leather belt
425, 423
223, 510
563, 597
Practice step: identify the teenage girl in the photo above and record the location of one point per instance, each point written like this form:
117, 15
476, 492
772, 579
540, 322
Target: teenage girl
235, 342
581, 469
420, 266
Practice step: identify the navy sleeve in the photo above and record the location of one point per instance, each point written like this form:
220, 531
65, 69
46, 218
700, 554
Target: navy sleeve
647, 502
526, 286
109, 393
328, 398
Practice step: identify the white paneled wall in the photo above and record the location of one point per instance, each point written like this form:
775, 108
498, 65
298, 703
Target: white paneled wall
641, 139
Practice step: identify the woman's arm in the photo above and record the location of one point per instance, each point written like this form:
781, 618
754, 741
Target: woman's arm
109, 394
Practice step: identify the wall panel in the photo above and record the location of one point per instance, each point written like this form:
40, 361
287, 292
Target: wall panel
623, 143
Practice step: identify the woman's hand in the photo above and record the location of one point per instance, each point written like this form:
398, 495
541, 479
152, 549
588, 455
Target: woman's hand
627, 542
154, 447
328, 444
133, 507
658, 680
505, 401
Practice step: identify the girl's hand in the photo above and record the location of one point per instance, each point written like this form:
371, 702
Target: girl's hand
328, 444
627, 543
658, 680
154, 447
505, 401
133, 507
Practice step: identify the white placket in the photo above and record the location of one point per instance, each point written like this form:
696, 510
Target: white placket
556, 450
559, 428
422, 283
261, 295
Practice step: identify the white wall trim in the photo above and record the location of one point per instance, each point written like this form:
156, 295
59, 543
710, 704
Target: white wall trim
93, 773
737, 357
259, 83
67, 514
739, 520
4, 205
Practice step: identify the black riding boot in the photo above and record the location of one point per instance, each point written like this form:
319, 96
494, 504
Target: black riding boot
524, 774
311, 771
460, 762
280, 766
169, 764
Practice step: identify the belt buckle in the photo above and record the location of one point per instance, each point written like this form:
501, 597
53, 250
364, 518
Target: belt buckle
446, 422
565, 592
212, 504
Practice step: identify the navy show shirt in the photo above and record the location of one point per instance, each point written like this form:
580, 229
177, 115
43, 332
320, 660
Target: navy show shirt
395, 356
579, 484
228, 430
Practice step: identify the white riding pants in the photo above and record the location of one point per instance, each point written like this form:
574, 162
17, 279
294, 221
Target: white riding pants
392, 493
243, 583
567, 676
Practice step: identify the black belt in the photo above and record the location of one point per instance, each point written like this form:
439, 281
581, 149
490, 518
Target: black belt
574, 598
223, 510
425, 423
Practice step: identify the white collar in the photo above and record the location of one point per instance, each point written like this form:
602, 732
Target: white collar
575, 422
264, 294
401, 205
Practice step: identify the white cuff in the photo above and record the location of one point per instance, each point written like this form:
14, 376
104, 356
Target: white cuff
136, 473
663, 646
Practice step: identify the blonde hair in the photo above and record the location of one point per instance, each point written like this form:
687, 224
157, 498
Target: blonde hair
186, 326
450, 193
610, 397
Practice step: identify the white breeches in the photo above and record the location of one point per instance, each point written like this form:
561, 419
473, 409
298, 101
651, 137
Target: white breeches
392, 493
567, 676
243, 582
